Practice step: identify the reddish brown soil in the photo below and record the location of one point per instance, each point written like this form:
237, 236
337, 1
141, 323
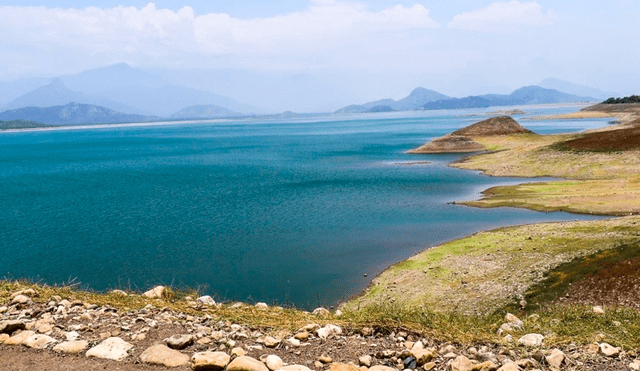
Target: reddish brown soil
615, 284
502, 125
613, 140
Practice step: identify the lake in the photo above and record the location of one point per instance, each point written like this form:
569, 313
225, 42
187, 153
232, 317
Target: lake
292, 211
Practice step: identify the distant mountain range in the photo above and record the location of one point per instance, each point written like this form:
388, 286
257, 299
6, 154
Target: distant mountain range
118, 87
73, 114
575, 89
204, 112
523, 96
423, 99
414, 101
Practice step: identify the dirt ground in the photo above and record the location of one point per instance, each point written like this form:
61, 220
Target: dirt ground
616, 284
620, 139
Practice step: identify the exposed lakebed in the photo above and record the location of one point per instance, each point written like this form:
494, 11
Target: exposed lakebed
290, 211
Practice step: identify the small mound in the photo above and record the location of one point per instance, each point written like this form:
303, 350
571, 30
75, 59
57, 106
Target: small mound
501, 125
450, 144
612, 140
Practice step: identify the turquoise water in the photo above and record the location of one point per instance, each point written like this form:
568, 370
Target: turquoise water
294, 212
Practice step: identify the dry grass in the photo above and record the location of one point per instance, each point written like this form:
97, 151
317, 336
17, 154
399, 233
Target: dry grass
487, 271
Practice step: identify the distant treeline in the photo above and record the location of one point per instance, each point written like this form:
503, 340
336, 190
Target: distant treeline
21, 124
631, 99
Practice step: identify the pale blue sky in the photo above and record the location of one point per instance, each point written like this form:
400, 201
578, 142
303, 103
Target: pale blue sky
390, 46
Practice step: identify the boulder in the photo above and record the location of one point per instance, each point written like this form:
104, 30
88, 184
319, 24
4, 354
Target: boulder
163, 356
381, 368
245, 363
365, 361
274, 362
213, 361
179, 342
155, 293
295, 368
422, 356
328, 330
119, 293
609, 350
343, 367
531, 340
271, 342
72, 347
38, 341
555, 359
509, 367
112, 348
206, 300
461, 363
321, 312
20, 299
598, 310
484, 366
262, 306
19, 338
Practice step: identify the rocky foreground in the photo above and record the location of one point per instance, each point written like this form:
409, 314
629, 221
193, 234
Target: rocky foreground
155, 336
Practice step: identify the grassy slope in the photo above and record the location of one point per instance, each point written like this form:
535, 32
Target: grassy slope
599, 182
488, 271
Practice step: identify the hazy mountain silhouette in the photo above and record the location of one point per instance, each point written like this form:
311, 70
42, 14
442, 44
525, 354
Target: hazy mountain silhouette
71, 114
204, 112
56, 93
571, 88
415, 100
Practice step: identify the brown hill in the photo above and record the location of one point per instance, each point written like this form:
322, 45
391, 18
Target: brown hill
615, 108
450, 144
501, 125
611, 140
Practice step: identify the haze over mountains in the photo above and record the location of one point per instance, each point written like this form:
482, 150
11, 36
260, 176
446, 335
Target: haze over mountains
119, 90
421, 98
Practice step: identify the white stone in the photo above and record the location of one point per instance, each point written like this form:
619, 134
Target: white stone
531, 340
555, 359
155, 293
274, 362
72, 347
72, 336
38, 341
214, 361
609, 350
19, 338
509, 367
112, 348
328, 330
164, 356
598, 310
293, 342
321, 312
514, 321
118, 292
271, 342
365, 361
206, 300
245, 363
262, 306
295, 368
20, 299
179, 342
